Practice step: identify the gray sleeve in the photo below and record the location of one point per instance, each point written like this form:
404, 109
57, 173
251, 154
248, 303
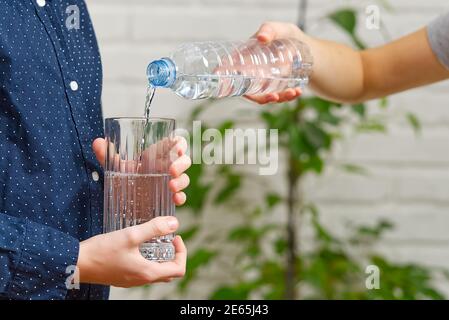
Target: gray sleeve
438, 31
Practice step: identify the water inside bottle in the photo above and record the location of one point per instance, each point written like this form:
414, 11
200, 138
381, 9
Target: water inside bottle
219, 86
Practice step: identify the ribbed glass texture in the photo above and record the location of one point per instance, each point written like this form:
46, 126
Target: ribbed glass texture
138, 156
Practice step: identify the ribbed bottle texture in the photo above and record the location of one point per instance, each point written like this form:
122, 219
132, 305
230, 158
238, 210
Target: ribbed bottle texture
225, 69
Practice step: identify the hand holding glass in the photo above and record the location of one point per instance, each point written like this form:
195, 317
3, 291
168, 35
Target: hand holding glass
139, 154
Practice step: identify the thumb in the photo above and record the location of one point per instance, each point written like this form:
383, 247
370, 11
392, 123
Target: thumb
159, 226
99, 146
270, 31
266, 33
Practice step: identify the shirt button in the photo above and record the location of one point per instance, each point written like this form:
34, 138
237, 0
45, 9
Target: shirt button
74, 85
95, 176
41, 3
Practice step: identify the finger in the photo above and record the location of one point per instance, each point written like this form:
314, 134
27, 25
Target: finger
99, 148
179, 198
159, 226
180, 251
266, 33
175, 268
287, 95
264, 99
179, 166
166, 280
270, 31
181, 145
179, 183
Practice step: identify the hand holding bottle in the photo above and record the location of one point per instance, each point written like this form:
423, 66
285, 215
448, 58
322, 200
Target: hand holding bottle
267, 33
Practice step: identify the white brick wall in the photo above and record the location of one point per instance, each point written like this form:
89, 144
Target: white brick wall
409, 176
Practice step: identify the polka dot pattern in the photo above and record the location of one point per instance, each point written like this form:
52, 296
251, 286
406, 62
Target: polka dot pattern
50, 112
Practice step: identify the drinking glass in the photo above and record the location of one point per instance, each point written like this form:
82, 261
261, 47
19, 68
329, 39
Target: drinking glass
138, 156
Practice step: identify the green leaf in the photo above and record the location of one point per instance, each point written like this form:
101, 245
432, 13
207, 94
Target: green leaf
316, 136
256, 212
253, 250
355, 169
371, 126
189, 233
346, 19
280, 245
369, 234
315, 164
249, 233
272, 199
272, 278
268, 118
360, 109
414, 122
280, 119
238, 292
197, 192
242, 233
321, 233
432, 293
196, 260
329, 118
272, 270
232, 185
225, 125
319, 104
323, 108
295, 142
383, 103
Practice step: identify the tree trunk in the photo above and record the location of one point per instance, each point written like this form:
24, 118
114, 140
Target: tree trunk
292, 200
294, 175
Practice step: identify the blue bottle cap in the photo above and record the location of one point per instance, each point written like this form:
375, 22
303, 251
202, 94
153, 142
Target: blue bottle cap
161, 73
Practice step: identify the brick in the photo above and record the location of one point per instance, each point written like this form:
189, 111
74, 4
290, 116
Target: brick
401, 146
414, 222
350, 188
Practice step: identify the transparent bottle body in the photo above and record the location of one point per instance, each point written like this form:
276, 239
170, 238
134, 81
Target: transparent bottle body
226, 69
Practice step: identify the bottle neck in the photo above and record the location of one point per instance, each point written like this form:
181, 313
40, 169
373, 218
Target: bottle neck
161, 73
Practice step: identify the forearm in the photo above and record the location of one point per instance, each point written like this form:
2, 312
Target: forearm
346, 75
338, 72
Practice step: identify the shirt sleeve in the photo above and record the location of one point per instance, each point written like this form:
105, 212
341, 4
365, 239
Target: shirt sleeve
438, 32
34, 259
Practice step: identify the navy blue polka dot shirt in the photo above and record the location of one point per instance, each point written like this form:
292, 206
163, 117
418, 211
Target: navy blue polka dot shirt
51, 189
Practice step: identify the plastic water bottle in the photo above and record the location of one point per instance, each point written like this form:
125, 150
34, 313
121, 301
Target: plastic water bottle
224, 69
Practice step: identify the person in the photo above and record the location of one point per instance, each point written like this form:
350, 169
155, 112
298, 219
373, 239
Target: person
344, 75
51, 181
